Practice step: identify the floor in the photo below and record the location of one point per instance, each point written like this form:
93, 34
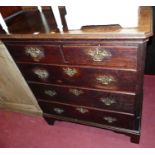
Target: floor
19, 130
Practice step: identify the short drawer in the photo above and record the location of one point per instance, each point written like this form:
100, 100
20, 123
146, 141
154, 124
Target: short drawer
107, 56
121, 80
35, 53
85, 97
88, 115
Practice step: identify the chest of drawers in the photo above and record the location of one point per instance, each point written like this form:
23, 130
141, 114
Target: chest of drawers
93, 78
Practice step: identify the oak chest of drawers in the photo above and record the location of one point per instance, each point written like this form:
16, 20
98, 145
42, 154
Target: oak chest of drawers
88, 77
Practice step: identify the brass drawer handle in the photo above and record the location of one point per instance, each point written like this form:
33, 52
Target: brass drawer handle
58, 110
109, 119
41, 73
36, 53
107, 101
50, 92
99, 54
76, 92
82, 110
70, 71
105, 79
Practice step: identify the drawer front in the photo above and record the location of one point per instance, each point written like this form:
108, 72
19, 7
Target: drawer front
121, 57
35, 53
81, 76
89, 115
85, 97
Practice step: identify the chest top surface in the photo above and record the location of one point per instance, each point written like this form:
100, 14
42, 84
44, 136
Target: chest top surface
30, 25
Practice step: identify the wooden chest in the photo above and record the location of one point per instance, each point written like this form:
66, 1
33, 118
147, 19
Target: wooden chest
90, 76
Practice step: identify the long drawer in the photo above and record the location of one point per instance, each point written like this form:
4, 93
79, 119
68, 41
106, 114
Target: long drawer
107, 56
85, 97
88, 114
35, 53
109, 79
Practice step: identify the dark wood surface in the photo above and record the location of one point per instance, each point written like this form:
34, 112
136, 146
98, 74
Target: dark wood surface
7, 10
96, 98
32, 22
121, 56
67, 65
122, 80
63, 13
122, 121
50, 53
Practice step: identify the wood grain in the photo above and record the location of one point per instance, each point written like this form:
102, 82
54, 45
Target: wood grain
7, 10
91, 115
86, 97
120, 56
122, 80
50, 53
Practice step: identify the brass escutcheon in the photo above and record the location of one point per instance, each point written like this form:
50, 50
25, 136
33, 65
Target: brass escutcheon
50, 92
99, 54
82, 110
107, 101
76, 92
70, 71
58, 110
105, 79
36, 53
41, 73
109, 119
